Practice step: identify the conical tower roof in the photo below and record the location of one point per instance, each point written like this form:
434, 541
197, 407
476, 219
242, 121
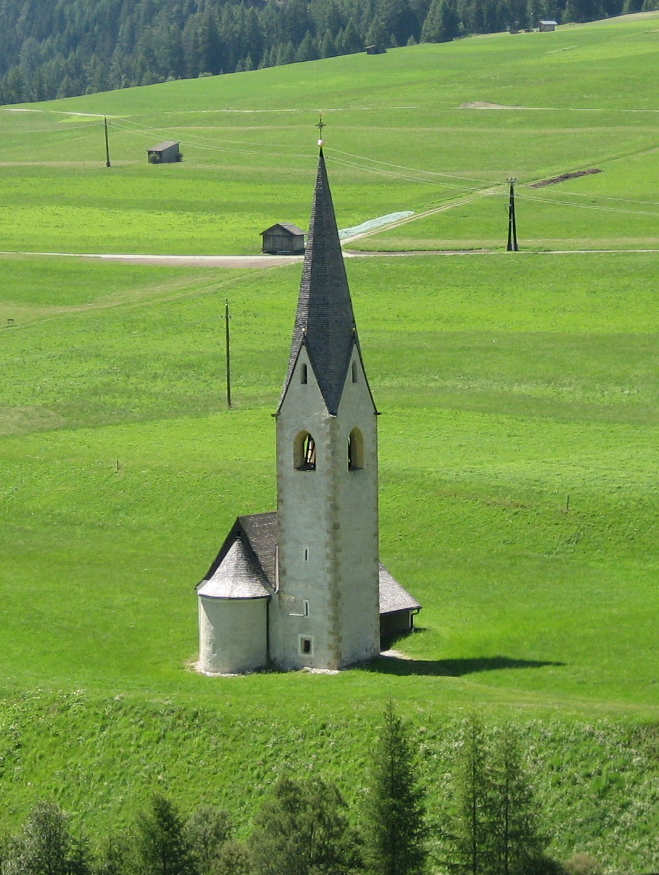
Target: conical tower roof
324, 322
236, 577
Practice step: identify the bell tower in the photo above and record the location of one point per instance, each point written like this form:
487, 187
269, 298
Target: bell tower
326, 610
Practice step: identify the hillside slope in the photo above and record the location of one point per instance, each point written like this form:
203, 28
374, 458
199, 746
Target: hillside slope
517, 441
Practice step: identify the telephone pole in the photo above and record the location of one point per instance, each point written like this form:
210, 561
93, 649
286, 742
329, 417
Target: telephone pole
512, 225
107, 143
228, 351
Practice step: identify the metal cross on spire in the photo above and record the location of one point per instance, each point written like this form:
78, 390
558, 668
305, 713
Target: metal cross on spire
320, 125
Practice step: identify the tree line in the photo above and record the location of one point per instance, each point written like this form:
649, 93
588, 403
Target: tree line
490, 826
61, 48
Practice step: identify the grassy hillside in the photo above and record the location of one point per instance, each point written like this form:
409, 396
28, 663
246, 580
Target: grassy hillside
517, 442
406, 131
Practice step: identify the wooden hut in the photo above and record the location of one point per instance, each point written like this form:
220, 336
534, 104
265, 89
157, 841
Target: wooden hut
546, 26
164, 153
375, 49
283, 238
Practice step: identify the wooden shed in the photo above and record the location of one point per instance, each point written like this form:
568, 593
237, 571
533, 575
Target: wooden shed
375, 49
283, 238
164, 153
546, 26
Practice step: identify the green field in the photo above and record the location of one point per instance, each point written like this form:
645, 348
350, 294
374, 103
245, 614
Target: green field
405, 132
518, 450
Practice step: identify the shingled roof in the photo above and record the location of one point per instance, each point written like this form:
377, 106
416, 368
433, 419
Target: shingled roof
236, 577
394, 597
287, 226
324, 321
245, 566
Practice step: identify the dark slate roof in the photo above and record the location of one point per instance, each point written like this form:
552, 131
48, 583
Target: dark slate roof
252, 564
393, 597
160, 147
262, 533
237, 576
245, 566
287, 226
324, 321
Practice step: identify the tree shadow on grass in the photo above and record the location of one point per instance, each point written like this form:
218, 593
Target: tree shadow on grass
455, 668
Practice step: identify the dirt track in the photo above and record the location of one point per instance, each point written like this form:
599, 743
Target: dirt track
232, 261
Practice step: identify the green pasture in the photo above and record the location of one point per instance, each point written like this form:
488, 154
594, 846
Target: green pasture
518, 446
409, 130
518, 392
517, 462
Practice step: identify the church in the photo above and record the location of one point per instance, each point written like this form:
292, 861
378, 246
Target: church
303, 587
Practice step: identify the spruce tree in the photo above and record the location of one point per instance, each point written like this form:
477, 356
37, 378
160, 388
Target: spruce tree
394, 825
495, 828
207, 830
46, 846
302, 829
162, 847
474, 832
518, 844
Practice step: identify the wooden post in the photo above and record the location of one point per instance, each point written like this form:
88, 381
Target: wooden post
228, 351
512, 226
107, 144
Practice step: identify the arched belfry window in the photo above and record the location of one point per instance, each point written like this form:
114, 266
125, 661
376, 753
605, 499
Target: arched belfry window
304, 452
355, 450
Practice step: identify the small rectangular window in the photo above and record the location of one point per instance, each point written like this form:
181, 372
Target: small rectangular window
303, 374
306, 646
306, 607
354, 372
306, 554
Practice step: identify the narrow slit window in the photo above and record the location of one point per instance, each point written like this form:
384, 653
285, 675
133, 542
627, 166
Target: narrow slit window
306, 607
306, 554
354, 372
303, 374
355, 450
304, 452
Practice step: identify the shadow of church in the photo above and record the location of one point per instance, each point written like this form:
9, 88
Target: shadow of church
388, 663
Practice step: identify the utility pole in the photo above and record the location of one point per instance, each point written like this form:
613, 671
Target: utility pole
228, 351
512, 226
107, 143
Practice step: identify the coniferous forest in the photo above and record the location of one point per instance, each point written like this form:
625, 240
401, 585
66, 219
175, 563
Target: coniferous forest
62, 48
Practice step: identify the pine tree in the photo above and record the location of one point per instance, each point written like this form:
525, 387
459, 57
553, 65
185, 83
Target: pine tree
395, 831
495, 830
442, 22
518, 844
162, 847
115, 856
46, 846
207, 830
233, 859
302, 829
475, 843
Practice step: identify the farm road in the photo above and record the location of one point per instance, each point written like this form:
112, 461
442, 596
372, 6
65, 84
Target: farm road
268, 261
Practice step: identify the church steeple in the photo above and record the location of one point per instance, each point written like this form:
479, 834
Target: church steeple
324, 321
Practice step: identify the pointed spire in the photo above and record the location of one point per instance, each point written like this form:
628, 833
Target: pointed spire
324, 321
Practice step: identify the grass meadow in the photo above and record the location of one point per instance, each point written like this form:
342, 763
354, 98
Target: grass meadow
518, 450
409, 130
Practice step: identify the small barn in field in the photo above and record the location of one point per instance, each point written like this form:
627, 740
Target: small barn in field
164, 153
375, 49
283, 238
546, 26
